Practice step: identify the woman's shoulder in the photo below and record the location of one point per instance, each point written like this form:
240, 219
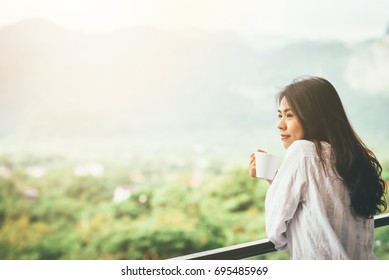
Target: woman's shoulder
302, 147
305, 148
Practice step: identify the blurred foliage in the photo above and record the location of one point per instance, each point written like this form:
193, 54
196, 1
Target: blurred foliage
59, 214
381, 247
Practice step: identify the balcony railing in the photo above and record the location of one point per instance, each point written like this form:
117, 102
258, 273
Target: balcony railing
254, 248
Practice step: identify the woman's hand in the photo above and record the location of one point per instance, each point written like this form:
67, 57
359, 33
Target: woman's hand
252, 163
252, 167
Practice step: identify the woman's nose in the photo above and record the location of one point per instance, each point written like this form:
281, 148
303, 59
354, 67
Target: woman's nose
281, 124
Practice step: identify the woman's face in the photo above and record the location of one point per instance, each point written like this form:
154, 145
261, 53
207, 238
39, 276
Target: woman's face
289, 125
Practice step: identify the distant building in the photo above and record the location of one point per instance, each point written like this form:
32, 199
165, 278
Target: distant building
122, 193
36, 171
5, 172
30, 194
89, 169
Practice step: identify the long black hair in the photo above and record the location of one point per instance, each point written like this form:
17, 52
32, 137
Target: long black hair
318, 107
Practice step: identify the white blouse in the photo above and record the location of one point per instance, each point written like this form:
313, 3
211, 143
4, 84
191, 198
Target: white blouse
308, 211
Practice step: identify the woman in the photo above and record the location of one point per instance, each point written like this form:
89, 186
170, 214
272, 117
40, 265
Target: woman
321, 203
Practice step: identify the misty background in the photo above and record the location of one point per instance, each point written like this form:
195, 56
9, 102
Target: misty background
145, 91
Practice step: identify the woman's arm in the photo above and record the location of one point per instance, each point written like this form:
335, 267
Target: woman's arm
284, 196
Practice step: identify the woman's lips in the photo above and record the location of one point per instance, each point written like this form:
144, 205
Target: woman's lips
284, 137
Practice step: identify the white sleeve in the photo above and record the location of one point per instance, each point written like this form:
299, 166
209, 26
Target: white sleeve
284, 196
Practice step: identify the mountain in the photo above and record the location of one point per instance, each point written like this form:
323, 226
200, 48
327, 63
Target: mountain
367, 68
140, 90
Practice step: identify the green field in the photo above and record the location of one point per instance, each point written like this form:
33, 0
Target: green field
55, 209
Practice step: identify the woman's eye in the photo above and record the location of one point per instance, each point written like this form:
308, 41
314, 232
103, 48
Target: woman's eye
289, 115
279, 116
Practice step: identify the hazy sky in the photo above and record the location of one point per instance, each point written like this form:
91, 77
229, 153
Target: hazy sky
349, 20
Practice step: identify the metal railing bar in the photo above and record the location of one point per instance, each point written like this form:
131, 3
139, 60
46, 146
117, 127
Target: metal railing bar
234, 252
381, 220
253, 248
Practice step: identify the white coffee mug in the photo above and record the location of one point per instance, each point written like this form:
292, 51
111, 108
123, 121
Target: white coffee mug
266, 165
